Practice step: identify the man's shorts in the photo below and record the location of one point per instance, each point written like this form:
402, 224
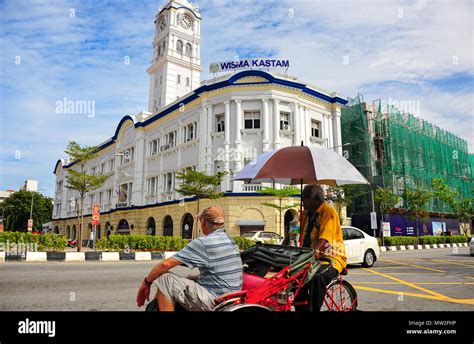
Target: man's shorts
186, 292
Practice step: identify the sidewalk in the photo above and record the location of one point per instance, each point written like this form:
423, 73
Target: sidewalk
419, 247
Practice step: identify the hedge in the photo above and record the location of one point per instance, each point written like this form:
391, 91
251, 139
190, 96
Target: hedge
45, 242
399, 241
153, 243
118, 242
424, 240
443, 239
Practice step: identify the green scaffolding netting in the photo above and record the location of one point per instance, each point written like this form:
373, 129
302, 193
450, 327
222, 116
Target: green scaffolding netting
400, 151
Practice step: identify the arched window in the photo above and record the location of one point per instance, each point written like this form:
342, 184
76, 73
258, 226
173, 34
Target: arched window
179, 46
189, 49
168, 226
68, 232
150, 226
159, 50
73, 234
123, 227
187, 226
164, 47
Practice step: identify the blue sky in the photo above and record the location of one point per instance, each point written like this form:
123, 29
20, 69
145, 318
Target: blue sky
415, 51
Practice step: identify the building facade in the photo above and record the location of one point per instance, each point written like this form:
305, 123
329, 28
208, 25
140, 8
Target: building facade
215, 125
396, 150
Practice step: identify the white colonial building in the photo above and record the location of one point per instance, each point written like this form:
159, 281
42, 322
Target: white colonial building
215, 125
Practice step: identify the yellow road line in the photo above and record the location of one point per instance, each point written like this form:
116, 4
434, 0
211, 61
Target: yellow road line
416, 283
460, 264
415, 266
423, 296
401, 273
408, 284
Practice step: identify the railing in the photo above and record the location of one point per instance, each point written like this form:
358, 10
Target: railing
251, 187
166, 197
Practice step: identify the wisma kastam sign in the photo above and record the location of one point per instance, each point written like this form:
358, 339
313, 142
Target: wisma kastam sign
216, 67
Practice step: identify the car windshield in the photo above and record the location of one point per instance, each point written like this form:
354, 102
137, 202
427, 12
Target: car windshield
248, 234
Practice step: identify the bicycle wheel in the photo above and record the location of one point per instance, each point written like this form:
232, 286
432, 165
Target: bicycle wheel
340, 297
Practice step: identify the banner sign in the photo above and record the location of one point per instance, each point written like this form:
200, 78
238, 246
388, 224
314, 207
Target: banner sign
96, 214
386, 229
255, 63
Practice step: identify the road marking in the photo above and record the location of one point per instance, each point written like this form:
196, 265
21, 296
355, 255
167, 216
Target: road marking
407, 284
415, 266
460, 264
416, 283
401, 273
422, 296
435, 295
435, 261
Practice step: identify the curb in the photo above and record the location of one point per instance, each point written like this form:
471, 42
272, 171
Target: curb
75, 257
36, 256
419, 247
31, 257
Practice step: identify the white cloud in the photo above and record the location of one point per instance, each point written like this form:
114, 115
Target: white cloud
395, 50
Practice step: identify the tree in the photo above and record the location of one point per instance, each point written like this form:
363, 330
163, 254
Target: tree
18, 212
417, 200
344, 196
280, 195
79, 180
199, 184
463, 210
444, 194
386, 200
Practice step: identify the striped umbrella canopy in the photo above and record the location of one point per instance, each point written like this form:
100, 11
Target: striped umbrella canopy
301, 165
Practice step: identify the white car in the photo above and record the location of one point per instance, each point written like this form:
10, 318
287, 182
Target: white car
265, 237
471, 247
361, 248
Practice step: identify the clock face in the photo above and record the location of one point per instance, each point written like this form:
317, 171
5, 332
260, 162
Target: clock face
162, 24
185, 21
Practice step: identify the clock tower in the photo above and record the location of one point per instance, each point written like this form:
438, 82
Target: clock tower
176, 65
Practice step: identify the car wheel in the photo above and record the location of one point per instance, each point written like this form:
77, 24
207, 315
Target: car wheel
369, 259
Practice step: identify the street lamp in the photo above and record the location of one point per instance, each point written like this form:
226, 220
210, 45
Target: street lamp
344, 145
31, 208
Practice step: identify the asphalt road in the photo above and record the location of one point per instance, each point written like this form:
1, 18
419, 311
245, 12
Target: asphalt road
425, 280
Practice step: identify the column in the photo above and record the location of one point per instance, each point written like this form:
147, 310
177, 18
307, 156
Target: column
266, 125
336, 119
330, 136
326, 131
137, 195
304, 127
238, 135
203, 131
179, 139
226, 181
296, 124
209, 160
276, 123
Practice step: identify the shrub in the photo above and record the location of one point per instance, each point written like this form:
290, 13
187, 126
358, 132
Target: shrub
244, 243
141, 243
400, 241
45, 242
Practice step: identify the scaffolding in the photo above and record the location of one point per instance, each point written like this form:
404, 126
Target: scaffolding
397, 150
